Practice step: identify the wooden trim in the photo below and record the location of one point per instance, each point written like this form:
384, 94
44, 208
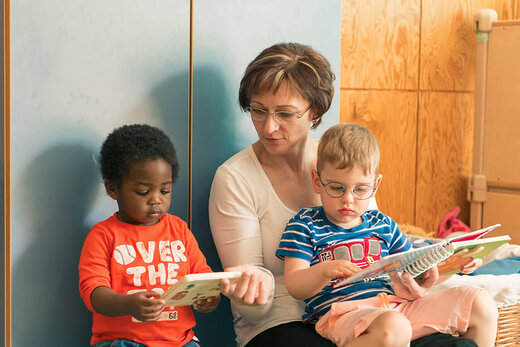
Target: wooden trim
502, 23
512, 186
190, 121
7, 173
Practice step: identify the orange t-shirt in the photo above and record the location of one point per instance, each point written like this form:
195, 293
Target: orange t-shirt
129, 258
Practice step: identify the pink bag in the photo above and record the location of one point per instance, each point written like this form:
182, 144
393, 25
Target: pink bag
451, 224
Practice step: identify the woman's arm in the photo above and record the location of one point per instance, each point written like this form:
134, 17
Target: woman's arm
236, 232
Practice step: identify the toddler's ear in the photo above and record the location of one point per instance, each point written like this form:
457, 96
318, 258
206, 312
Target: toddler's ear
111, 189
377, 182
316, 183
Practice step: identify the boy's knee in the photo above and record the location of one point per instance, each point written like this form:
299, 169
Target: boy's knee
484, 307
393, 329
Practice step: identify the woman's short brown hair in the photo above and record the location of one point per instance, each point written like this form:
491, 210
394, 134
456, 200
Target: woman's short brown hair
306, 70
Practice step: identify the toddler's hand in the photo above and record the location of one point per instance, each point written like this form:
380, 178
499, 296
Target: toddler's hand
337, 268
144, 306
408, 288
206, 305
471, 267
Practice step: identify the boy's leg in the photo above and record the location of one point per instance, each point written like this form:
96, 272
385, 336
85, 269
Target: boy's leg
469, 311
357, 324
389, 329
482, 327
119, 343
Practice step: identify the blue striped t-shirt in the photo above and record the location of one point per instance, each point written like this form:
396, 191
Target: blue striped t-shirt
311, 236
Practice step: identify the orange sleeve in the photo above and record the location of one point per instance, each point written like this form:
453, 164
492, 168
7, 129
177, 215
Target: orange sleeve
94, 264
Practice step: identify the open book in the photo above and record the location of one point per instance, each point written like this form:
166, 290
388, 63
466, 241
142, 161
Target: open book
193, 287
450, 255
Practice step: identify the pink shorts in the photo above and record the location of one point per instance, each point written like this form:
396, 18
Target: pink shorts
445, 311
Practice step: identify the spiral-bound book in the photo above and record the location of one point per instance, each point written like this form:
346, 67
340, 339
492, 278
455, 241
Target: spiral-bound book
449, 256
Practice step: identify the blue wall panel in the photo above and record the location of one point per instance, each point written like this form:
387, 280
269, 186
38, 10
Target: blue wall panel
227, 36
80, 69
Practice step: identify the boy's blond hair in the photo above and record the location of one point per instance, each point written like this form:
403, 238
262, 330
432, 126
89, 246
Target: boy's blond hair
348, 145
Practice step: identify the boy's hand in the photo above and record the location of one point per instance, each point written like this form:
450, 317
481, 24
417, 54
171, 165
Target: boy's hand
337, 268
472, 266
408, 288
206, 305
144, 306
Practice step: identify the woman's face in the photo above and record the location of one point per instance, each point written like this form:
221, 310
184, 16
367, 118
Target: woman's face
277, 136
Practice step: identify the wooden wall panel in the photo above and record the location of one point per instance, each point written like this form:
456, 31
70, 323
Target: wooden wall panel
447, 46
445, 142
506, 9
419, 46
380, 44
448, 42
391, 116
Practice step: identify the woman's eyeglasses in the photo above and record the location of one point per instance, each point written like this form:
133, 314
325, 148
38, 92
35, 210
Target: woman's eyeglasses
260, 115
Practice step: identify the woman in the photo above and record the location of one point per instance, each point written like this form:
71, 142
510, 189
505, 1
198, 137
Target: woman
286, 90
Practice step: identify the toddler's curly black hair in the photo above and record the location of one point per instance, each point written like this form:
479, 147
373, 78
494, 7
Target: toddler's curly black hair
130, 144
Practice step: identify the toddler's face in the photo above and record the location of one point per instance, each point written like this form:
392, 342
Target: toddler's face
144, 195
346, 210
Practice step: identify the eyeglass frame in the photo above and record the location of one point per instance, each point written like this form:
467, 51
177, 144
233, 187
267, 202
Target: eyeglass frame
287, 120
377, 181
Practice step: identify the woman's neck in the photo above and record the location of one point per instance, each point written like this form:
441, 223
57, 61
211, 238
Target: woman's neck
296, 160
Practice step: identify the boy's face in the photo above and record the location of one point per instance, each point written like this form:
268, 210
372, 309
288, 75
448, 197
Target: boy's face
346, 210
144, 194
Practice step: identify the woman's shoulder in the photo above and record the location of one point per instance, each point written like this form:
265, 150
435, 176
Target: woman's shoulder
243, 163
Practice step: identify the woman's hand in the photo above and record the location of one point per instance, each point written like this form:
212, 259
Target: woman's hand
206, 305
408, 288
254, 287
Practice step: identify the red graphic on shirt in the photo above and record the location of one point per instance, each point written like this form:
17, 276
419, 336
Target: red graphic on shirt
360, 252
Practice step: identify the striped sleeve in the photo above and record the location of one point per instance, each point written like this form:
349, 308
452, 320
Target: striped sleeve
296, 241
399, 242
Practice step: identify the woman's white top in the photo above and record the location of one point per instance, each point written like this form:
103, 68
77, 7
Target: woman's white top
247, 220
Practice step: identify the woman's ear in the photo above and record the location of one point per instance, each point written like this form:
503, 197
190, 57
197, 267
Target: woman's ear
111, 189
316, 183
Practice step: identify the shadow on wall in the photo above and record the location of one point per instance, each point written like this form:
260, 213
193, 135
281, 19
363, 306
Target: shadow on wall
58, 188
214, 140
170, 113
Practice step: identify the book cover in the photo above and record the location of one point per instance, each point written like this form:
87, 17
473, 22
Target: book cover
464, 252
477, 234
420, 241
193, 287
418, 260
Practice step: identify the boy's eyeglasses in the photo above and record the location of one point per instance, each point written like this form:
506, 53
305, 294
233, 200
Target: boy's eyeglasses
361, 192
260, 115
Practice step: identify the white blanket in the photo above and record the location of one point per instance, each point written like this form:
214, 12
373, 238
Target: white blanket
505, 289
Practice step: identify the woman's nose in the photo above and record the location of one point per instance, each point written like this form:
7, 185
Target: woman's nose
270, 123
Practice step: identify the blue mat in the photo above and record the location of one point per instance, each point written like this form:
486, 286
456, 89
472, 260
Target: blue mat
506, 266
